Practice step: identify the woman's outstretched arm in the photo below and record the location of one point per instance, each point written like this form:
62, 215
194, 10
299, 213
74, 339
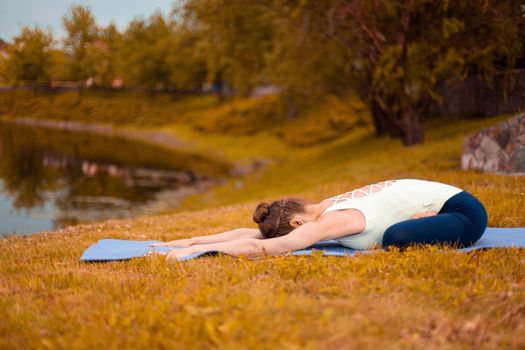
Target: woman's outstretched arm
332, 225
239, 233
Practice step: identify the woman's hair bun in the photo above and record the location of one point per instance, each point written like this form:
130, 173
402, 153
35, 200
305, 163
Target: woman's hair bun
261, 212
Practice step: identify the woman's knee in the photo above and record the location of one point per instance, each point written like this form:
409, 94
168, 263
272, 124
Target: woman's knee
395, 235
473, 215
474, 225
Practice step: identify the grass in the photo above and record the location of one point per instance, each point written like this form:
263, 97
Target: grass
420, 298
239, 117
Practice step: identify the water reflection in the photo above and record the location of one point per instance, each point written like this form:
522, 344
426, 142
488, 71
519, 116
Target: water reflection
51, 178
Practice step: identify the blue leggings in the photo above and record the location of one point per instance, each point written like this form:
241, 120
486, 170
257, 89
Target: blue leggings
461, 222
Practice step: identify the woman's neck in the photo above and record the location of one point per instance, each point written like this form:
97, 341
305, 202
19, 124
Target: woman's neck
315, 210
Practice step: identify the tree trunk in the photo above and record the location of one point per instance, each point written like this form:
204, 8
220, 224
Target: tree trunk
220, 92
218, 86
378, 119
412, 131
384, 122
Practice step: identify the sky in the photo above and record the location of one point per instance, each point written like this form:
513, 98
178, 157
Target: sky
48, 13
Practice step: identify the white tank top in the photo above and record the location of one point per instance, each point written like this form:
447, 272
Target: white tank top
397, 201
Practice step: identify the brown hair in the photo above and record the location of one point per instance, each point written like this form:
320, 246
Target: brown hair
274, 219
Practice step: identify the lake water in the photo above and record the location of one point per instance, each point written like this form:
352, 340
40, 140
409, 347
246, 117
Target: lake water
52, 178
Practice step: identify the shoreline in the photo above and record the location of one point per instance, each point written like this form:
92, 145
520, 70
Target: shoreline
157, 137
167, 200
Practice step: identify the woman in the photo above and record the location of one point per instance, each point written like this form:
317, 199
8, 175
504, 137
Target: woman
389, 213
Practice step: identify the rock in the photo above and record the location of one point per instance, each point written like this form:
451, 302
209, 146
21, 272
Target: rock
498, 149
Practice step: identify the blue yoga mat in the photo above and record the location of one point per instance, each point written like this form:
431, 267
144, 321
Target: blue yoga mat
119, 249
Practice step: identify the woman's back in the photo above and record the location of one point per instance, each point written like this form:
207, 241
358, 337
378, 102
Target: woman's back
387, 203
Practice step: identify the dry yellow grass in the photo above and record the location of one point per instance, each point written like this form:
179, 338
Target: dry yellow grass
417, 299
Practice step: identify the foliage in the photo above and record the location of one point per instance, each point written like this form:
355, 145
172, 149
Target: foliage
401, 49
186, 61
391, 52
109, 55
301, 61
61, 64
147, 45
30, 57
82, 42
234, 37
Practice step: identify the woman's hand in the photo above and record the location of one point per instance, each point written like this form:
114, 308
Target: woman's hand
423, 214
174, 254
186, 242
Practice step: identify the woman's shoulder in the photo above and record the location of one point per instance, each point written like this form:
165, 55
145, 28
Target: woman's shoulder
345, 221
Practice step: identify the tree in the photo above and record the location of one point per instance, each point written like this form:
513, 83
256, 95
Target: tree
399, 49
81, 43
60, 68
234, 37
29, 57
392, 53
148, 44
107, 55
301, 61
187, 61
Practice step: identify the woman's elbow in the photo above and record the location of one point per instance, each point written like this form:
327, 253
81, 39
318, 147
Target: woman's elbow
249, 247
257, 246
271, 248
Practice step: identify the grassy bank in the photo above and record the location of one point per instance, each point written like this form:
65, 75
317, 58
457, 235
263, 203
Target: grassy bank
319, 120
418, 299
